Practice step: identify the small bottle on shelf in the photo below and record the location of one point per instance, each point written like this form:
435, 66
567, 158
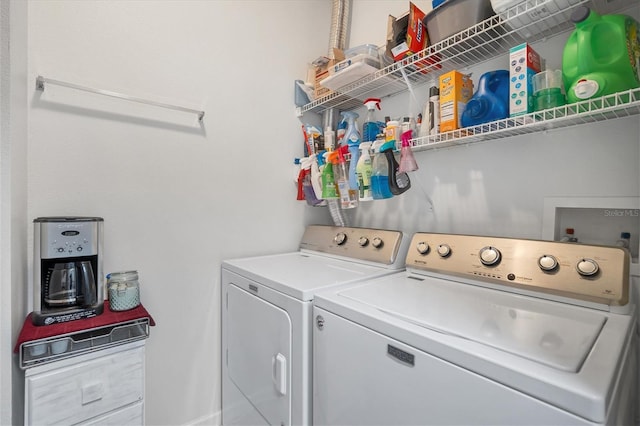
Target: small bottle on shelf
624, 240
569, 236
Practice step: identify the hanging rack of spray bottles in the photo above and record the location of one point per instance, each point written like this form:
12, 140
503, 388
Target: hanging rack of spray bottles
346, 167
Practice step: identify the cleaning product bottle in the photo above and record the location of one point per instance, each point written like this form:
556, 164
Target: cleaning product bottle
407, 160
371, 127
399, 182
380, 171
364, 170
601, 56
352, 140
329, 190
329, 139
342, 129
305, 183
348, 196
624, 240
316, 178
491, 100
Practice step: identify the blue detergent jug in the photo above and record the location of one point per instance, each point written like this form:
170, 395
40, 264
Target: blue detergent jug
491, 100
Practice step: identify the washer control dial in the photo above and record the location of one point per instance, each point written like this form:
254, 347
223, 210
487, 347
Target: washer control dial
444, 250
490, 256
363, 241
340, 238
587, 267
547, 262
377, 242
422, 247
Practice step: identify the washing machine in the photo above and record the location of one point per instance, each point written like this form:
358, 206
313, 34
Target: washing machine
267, 312
481, 331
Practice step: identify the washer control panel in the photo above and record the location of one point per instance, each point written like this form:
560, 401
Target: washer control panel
374, 245
594, 273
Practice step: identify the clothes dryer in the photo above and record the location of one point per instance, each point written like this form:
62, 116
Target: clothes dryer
266, 318
481, 331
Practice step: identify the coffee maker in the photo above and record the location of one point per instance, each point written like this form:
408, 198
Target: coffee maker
67, 273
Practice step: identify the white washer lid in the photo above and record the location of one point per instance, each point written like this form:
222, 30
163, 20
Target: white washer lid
546, 332
301, 274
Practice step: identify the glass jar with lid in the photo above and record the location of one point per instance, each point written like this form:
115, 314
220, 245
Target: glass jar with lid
124, 290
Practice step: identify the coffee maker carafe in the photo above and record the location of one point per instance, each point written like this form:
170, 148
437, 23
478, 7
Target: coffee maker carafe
67, 269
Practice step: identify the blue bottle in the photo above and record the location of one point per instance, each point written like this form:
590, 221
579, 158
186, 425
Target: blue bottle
371, 128
380, 174
491, 100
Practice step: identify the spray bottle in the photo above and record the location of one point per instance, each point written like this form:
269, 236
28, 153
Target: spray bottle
348, 196
329, 191
305, 188
398, 182
316, 178
364, 170
371, 127
407, 160
352, 140
342, 129
380, 171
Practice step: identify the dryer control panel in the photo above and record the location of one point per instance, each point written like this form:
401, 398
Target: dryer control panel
592, 273
382, 246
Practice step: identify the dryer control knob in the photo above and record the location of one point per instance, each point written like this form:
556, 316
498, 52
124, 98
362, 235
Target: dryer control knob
444, 250
363, 241
377, 242
422, 247
490, 256
587, 267
547, 262
340, 238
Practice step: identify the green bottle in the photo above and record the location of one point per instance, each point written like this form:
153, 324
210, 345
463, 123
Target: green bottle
601, 56
329, 190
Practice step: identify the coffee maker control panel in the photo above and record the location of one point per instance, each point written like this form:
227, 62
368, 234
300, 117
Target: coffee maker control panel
69, 239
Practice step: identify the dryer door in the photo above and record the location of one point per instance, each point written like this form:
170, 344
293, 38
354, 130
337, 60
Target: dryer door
259, 354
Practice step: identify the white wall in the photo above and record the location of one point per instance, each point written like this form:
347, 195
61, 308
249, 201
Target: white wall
13, 199
177, 198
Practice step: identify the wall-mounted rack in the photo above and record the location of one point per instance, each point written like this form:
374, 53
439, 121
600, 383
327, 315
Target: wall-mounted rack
40, 83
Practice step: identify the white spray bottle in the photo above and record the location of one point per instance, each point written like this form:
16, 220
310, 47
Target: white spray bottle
364, 170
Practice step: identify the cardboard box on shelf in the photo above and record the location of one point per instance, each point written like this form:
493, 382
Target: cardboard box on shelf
319, 70
524, 63
407, 34
455, 91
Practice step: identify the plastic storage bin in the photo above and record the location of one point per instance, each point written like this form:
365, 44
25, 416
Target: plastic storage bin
454, 16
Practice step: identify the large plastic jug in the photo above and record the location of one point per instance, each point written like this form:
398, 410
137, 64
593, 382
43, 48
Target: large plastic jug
601, 56
491, 100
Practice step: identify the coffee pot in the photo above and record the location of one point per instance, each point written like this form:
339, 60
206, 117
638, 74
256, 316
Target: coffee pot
67, 269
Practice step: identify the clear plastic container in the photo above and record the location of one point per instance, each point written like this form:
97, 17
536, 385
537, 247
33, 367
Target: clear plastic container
124, 290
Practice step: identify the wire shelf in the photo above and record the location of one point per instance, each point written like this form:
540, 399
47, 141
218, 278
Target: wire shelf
529, 21
618, 105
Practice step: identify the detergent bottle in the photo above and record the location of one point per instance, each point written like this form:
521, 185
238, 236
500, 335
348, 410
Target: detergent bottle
601, 56
348, 196
407, 160
352, 140
491, 100
371, 127
380, 171
399, 182
329, 190
364, 170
